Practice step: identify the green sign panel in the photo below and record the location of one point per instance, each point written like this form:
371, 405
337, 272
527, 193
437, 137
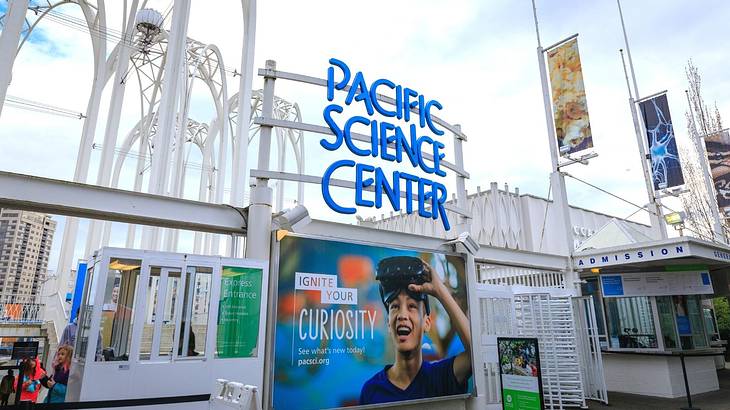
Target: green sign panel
519, 373
238, 312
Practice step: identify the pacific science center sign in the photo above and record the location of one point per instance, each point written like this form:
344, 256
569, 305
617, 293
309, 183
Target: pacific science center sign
401, 140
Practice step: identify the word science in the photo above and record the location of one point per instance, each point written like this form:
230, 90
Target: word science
402, 141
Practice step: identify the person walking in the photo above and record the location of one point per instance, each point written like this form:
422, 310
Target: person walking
7, 387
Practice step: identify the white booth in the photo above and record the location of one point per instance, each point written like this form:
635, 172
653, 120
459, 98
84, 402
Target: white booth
157, 324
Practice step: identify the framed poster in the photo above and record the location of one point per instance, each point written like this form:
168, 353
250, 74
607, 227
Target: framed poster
351, 316
520, 374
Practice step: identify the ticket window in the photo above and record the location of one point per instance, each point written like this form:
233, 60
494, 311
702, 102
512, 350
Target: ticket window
176, 315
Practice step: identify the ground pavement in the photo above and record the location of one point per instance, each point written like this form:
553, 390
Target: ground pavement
717, 400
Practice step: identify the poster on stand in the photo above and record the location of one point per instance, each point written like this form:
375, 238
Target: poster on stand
520, 374
239, 312
353, 320
570, 108
666, 169
718, 154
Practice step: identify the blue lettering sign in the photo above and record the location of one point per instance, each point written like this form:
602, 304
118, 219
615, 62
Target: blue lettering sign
388, 141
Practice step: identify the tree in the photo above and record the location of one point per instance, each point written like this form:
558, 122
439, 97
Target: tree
700, 122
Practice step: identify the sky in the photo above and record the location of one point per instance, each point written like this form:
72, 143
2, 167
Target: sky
477, 58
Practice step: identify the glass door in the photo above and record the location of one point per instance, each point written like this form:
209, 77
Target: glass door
165, 289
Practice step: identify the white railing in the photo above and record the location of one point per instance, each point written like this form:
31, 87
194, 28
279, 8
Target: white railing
492, 274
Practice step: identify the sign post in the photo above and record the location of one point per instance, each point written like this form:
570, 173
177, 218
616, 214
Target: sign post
519, 373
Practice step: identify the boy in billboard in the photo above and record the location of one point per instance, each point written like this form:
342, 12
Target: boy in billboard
405, 283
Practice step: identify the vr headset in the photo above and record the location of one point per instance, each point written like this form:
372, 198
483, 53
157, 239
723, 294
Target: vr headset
396, 273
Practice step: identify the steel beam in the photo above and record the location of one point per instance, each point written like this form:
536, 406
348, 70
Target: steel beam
20, 191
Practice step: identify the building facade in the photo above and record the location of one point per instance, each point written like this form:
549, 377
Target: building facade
25, 246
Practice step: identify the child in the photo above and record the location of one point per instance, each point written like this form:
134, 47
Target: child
31, 374
405, 283
59, 381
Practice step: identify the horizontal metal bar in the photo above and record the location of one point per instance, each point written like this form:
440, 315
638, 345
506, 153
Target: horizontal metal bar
649, 97
342, 183
27, 192
323, 83
559, 43
319, 129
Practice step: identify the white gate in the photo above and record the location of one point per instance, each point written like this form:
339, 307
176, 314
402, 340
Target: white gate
566, 328
550, 319
594, 383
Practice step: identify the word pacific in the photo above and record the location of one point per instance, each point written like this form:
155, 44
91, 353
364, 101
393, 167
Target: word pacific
389, 142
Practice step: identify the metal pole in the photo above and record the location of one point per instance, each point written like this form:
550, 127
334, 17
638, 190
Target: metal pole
9, 39
655, 211
461, 195
258, 237
557, 179
686, 385
168, 109
719, 233
656, 220
240, 153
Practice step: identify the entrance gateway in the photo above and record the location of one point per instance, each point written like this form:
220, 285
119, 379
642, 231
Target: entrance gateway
149, 315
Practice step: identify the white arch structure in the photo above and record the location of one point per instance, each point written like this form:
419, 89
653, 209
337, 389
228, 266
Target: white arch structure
142, 58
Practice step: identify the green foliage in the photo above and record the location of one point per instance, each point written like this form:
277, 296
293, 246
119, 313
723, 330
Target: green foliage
722, 312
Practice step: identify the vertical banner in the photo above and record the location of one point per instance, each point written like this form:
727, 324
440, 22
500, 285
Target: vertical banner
666, 170
352, 320
520, 374
238, 312
572, 127
718, 153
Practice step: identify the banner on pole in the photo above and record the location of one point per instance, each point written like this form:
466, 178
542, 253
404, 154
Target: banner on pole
570, 108
718, 153
666, 168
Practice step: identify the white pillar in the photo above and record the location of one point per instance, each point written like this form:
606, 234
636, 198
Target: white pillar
111, 132
168, 110
258, 235
9, 39
557, 179
240, 153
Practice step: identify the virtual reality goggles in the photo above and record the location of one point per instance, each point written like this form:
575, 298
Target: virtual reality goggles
396, 273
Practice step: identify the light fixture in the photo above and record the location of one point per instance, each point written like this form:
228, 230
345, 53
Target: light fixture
675, 218
293, 219
466, 241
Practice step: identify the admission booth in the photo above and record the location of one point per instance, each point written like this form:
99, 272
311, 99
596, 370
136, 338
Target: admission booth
156, 324
654, 310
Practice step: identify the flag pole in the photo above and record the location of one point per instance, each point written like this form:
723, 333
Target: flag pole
557, 179
655, 214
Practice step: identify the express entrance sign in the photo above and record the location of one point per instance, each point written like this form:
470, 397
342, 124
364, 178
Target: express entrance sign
402, 143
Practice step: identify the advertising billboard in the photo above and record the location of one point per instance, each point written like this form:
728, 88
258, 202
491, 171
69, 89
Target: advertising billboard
718, 153
570, 108
359, 324
520, 374
666, 170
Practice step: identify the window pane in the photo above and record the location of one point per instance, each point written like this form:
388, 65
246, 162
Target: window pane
170, 313
694, 311
118, 309
631, 323
84, 317
590, 287
195, 312
667, 322
153, 287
